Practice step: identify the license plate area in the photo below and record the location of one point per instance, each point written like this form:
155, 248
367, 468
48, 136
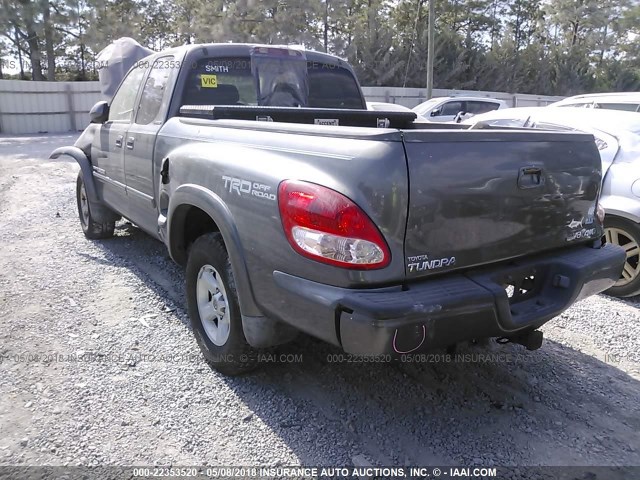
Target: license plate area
521, 293
522, 286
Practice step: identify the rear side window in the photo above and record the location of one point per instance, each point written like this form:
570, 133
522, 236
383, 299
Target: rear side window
551, 126
481, 107
628, 107
578, 105
154, 95
121, 108
451, 108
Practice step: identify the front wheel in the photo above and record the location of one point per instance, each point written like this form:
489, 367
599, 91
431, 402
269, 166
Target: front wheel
213, 307
92, 229
626, 234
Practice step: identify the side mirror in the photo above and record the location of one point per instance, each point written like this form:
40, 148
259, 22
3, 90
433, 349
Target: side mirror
436, 112
99, 113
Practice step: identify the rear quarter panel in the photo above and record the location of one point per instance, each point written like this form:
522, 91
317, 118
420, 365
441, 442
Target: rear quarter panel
244, 166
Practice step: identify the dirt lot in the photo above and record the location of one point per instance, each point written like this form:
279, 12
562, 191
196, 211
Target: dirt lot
88, 330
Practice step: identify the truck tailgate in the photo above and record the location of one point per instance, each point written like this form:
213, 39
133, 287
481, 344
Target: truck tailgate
478, 197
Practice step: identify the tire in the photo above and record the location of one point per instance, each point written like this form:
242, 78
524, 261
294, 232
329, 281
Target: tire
213, 307
625, 233
92, 230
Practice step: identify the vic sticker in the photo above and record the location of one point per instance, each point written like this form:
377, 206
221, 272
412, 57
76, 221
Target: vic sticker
209, 81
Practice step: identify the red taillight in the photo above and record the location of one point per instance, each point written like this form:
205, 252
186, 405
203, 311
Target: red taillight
326, 226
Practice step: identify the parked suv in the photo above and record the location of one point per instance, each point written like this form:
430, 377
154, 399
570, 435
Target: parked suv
629, 101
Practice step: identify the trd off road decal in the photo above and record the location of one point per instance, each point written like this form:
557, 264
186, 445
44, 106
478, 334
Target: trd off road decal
420, 263
246, 187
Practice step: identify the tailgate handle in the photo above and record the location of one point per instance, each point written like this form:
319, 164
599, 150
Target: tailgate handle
530, 177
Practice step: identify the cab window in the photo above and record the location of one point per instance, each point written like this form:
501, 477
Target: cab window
123, 103
220, 81
331, 86
231, 81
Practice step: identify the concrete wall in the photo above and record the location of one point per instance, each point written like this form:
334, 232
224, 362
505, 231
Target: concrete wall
34, 107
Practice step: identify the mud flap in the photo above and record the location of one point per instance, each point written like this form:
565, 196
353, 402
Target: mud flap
263, 332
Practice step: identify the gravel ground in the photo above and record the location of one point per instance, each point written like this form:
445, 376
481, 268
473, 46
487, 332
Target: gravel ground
81, 320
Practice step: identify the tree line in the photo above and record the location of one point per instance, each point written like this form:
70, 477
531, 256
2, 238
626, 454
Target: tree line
550, 47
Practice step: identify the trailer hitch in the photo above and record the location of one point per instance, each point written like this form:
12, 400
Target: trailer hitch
530, 340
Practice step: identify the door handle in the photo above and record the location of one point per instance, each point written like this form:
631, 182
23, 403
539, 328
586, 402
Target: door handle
530, 177
130, 142
119, 141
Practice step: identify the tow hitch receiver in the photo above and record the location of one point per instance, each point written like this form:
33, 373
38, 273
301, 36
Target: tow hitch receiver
530, 340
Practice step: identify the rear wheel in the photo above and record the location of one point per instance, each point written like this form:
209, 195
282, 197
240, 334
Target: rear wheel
213, 307
92, 229
626, 234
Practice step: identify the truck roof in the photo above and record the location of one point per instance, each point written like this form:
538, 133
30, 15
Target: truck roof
245, 49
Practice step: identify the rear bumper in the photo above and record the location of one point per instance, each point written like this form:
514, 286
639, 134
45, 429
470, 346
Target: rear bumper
456, 307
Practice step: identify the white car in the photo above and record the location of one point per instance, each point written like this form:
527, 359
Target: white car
617, 136
446, 109
393, 107
629, 101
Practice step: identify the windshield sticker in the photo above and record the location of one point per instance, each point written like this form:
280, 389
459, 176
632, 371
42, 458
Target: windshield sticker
216, 68
209, 81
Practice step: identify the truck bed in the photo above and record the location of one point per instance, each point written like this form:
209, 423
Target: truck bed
472, 197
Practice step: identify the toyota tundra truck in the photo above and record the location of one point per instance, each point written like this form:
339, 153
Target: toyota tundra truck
293, 208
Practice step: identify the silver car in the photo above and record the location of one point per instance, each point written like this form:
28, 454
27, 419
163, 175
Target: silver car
617, 136
448, 109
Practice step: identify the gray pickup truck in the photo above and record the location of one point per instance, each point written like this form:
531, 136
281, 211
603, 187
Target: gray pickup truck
295, 209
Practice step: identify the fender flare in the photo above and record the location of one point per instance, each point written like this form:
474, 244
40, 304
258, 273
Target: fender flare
99, 211
192, 195
85, 166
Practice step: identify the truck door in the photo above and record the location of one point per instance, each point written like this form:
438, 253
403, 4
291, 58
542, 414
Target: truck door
140, 141
108, 160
